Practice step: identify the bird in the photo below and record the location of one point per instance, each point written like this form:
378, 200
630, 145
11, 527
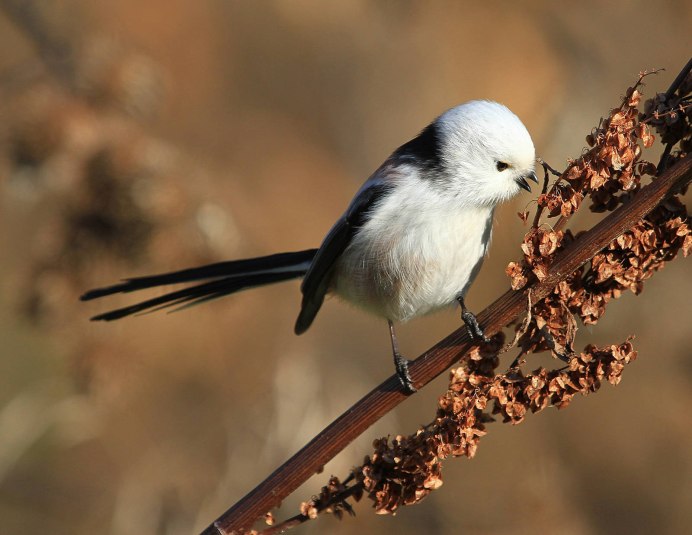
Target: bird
410, 243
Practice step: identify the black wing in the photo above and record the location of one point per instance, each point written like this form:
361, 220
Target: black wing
316, 281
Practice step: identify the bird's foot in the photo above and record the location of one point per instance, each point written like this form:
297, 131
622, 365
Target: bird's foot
402, 372
475, 331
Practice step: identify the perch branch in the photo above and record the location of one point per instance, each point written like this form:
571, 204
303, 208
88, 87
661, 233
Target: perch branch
444, 354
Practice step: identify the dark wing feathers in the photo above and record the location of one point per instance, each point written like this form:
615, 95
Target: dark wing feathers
316, 281
424, 150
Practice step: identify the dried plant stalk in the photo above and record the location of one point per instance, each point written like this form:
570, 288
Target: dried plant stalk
405, 470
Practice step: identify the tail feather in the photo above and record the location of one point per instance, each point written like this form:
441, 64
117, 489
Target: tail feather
229, 277
234, 268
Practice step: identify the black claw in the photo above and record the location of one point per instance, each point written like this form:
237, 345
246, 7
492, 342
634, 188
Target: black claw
401, 363
404, 376
475, 330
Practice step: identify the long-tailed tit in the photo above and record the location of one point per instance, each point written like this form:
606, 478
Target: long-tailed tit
411, 242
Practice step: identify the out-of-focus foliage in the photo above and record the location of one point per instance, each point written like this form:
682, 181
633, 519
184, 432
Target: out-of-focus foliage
166, 134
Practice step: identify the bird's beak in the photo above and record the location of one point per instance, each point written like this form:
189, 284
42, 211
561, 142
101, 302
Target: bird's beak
524, 184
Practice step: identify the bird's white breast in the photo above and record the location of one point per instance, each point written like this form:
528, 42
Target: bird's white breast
419, 250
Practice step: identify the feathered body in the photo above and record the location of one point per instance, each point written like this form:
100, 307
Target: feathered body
411, 241
423, 243
427, 255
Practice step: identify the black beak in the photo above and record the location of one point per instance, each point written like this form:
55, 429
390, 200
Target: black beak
524, 184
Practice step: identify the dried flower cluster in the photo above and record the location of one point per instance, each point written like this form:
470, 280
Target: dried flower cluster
670, 114
623, 265
514, 393
332, 499
404, 470
609, 173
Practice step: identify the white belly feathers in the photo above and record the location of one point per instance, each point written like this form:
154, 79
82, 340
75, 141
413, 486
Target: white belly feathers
411, 260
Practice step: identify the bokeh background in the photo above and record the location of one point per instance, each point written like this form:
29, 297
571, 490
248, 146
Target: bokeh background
138, 137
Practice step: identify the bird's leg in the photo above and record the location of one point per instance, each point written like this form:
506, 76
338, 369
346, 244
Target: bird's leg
475, 331
400, 362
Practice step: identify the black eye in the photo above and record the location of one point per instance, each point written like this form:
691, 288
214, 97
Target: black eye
501, 166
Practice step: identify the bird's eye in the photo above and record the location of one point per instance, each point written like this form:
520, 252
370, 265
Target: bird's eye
501, 166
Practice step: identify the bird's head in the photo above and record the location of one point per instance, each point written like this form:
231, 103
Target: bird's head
487, 154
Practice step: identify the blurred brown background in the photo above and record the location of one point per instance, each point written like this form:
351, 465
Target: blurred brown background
138, 137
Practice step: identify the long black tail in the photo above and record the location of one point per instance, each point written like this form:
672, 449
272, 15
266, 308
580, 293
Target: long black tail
223, 278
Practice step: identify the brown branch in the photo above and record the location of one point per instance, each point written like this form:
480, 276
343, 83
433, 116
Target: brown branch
444, 354
679, 79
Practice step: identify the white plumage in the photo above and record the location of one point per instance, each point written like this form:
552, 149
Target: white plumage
424, 242
416, 254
